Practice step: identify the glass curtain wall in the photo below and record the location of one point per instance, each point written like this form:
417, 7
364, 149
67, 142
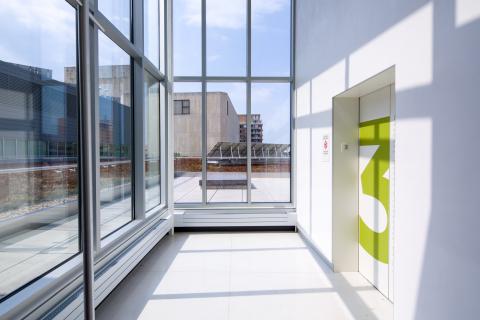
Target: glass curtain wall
39, 139
151, 139
119, 13
227, 154
187, 44
42, 139
187, 121
121, 103
154, 32
239, 55
115, 132
270, 137
226, 37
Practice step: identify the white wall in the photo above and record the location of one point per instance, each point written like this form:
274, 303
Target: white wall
435, 49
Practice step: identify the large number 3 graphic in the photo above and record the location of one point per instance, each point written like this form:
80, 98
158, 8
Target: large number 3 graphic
376, 185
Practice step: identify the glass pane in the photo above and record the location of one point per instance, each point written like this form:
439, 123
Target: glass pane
151, 28
188, 142
39, 182
226, 37
187, 37
118, 12
115, 130
162, 36
271, 38
226, 155
270, 142
152, 142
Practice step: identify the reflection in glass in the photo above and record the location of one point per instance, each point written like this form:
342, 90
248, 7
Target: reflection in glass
270, 137
187, 37
226, 153
151, 28
118, 12
188, 142
152, 142
115, 130
271, 38
226, 37
39, 193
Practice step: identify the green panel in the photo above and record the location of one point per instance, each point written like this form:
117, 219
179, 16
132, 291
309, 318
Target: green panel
376, 132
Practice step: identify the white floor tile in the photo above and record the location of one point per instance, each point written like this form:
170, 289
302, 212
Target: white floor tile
257, 275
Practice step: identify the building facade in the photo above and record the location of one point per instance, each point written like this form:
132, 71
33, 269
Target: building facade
256, 128
222, 122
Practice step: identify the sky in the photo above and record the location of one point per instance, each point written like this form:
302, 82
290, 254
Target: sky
38, 33
226, 54
42, 34
226, 37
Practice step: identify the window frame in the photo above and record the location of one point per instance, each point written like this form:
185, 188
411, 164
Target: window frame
204, 78
186, 107
76, 256
98, 146
140, 64
183, 105
35, 297
160, 108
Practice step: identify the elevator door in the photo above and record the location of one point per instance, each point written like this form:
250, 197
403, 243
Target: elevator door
374, 188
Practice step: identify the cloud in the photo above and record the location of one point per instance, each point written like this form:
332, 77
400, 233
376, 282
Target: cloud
261, 94
213, 57
229, 14
263, 7
38, 33
50, 15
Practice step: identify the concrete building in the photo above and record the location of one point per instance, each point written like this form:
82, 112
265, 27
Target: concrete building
222, 122
256, 128
115, 114
114, 81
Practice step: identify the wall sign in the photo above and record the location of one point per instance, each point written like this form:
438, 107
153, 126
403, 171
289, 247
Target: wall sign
325, 148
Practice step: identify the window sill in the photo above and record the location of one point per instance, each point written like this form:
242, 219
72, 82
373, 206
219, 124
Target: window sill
53, 287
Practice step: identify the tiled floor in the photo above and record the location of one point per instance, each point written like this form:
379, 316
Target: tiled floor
262, 275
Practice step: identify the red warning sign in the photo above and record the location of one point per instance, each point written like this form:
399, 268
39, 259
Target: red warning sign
326, 144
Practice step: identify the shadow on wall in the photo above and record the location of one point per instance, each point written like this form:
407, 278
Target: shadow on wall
441, 240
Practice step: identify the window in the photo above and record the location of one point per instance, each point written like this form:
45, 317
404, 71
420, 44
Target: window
186, 107
182, 107
177, 105
115, 131
270, 142
153, 27
152, 142
245, 125
188, 144
226, 155
39, 135
226, 37
271, 38
118, 12
43, 139
187, 37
